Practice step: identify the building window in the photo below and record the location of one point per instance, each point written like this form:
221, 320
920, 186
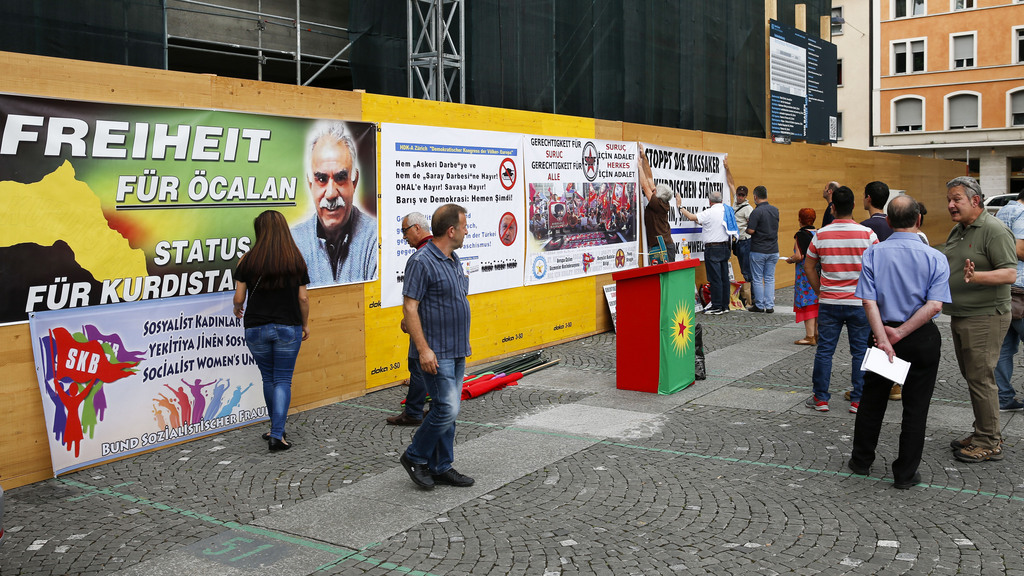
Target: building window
908, 115
963, 4
906, 8
1018, 44
1017, 108
908, 56
839, 72
963, 50
839, 125
837, 21
963, 111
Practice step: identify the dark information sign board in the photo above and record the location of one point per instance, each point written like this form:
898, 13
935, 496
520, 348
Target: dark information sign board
802, 84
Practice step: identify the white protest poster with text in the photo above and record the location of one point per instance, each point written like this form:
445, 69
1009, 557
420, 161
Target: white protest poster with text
120, 379
582, 207
692, 176
425, 167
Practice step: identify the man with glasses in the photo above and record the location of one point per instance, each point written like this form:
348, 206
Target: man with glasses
340, 243
416, 231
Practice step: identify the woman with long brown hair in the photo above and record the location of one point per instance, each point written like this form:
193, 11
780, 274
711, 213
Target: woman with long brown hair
273, 276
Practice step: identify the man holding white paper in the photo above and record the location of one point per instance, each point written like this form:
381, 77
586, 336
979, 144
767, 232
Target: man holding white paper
903, 285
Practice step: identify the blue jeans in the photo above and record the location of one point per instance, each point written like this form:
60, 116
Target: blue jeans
716, 265
275, 347
434, 441
1004, 368
762, 268
416, 397
743, 255
831, 318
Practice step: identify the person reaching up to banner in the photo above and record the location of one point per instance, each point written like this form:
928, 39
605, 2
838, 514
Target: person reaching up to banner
656, 212
273, 277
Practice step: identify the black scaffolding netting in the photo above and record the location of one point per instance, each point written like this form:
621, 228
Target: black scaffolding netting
129, 32
678, 63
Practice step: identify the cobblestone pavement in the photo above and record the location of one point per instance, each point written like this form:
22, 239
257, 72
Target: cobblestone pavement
729, 476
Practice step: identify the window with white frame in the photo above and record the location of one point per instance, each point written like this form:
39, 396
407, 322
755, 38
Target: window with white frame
1017, 108
963, 111
904, 8
837, 21
962, 50
839, 125
1018, 44
908, 114
962, 4
907, 56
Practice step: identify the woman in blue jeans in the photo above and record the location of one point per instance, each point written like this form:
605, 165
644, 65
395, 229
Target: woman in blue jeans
273, 276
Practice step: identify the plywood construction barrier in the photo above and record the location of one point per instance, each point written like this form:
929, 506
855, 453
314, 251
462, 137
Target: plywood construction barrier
357, 345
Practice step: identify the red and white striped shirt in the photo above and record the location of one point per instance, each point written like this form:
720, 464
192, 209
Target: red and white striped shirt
840, 247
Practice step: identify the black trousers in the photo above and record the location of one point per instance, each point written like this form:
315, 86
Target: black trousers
921, 349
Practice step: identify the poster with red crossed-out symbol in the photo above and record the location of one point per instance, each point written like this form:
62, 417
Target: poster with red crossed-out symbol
582, 202
425, 167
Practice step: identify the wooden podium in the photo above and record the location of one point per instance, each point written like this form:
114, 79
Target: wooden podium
654, 342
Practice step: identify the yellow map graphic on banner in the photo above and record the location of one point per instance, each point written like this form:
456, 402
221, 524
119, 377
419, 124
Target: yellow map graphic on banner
59, 207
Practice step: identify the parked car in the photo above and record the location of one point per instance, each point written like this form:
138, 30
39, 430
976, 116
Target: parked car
994, 203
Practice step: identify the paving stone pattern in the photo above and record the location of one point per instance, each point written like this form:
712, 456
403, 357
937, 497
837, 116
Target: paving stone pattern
730, 476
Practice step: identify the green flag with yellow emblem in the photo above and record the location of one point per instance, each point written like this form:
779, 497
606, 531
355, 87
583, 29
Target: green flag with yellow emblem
677, 331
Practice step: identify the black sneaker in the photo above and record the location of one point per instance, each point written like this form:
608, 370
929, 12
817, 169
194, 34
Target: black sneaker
417, 472
857, 468
452, 478
908, 484
770, 311
754, 309
1012, 406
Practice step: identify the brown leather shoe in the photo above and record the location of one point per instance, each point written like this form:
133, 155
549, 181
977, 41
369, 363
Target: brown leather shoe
961, 443
404, 419
896, 393
966, 442
806, 341
974, 454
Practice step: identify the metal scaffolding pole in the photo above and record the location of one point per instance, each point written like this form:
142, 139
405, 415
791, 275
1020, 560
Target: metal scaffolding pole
436, 32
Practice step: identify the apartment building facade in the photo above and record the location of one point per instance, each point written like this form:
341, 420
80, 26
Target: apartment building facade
948, 82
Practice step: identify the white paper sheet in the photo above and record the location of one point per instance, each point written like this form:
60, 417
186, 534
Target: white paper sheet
877, 361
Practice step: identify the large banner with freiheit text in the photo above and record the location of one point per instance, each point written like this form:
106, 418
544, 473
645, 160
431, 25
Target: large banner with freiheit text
107, 203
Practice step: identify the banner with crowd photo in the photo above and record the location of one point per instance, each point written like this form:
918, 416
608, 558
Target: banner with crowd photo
107, 203
693, 175
125, 378
423, 168
582, 207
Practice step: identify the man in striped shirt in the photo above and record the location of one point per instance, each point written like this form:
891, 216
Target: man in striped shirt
839, 248
436, 313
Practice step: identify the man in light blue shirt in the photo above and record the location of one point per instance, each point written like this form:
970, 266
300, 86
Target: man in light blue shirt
903, 284
1013, 216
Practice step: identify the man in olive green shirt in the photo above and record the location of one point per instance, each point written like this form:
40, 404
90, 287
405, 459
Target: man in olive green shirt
982, 248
